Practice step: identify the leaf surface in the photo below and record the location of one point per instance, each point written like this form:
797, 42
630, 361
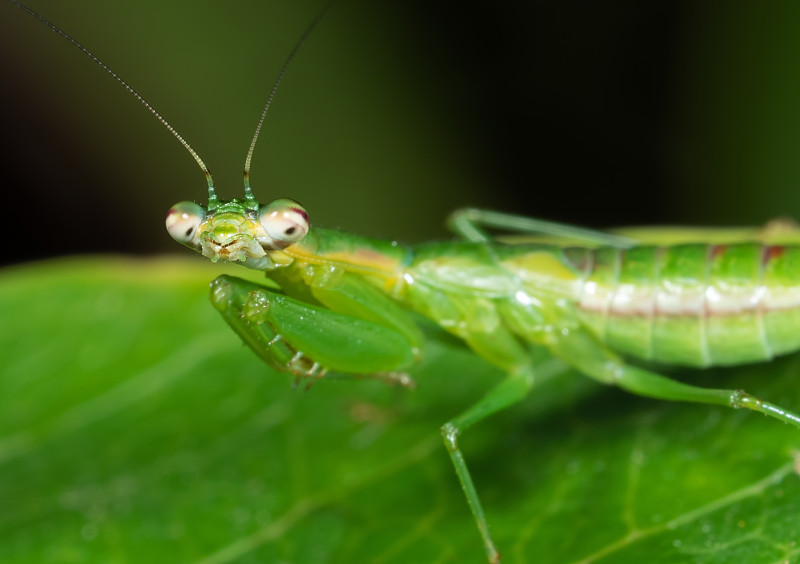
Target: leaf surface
135, 427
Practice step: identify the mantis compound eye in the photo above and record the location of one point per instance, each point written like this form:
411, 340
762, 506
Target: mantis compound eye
183, 219
285, 221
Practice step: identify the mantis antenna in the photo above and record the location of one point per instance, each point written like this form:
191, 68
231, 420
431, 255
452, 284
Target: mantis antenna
250, 201
213, 201
211, 193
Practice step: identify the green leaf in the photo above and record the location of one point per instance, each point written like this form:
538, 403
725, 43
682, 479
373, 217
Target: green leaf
137, 428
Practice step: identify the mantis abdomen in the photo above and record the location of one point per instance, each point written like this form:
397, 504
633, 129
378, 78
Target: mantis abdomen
692, 304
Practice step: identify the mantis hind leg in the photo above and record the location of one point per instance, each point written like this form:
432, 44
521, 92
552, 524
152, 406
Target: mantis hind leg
469, 223
585, 353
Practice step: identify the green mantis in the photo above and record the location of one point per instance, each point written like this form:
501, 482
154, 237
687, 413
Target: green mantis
346, 302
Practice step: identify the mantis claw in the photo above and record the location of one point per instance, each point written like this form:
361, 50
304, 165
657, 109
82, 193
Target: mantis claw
401, 379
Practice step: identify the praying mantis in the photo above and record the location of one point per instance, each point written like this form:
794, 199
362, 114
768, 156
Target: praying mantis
360, 289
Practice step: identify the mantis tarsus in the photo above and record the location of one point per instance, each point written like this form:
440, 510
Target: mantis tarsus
345, 300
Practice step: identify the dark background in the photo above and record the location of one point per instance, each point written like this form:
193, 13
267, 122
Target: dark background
394, 113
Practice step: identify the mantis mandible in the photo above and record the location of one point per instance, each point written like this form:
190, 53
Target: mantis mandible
345, 300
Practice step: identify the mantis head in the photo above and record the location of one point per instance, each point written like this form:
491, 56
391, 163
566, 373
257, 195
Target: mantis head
239, 230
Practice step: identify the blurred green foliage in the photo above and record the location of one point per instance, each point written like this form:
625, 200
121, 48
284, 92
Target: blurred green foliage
395, 113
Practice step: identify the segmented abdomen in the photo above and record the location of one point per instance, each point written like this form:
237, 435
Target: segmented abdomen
692, 304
